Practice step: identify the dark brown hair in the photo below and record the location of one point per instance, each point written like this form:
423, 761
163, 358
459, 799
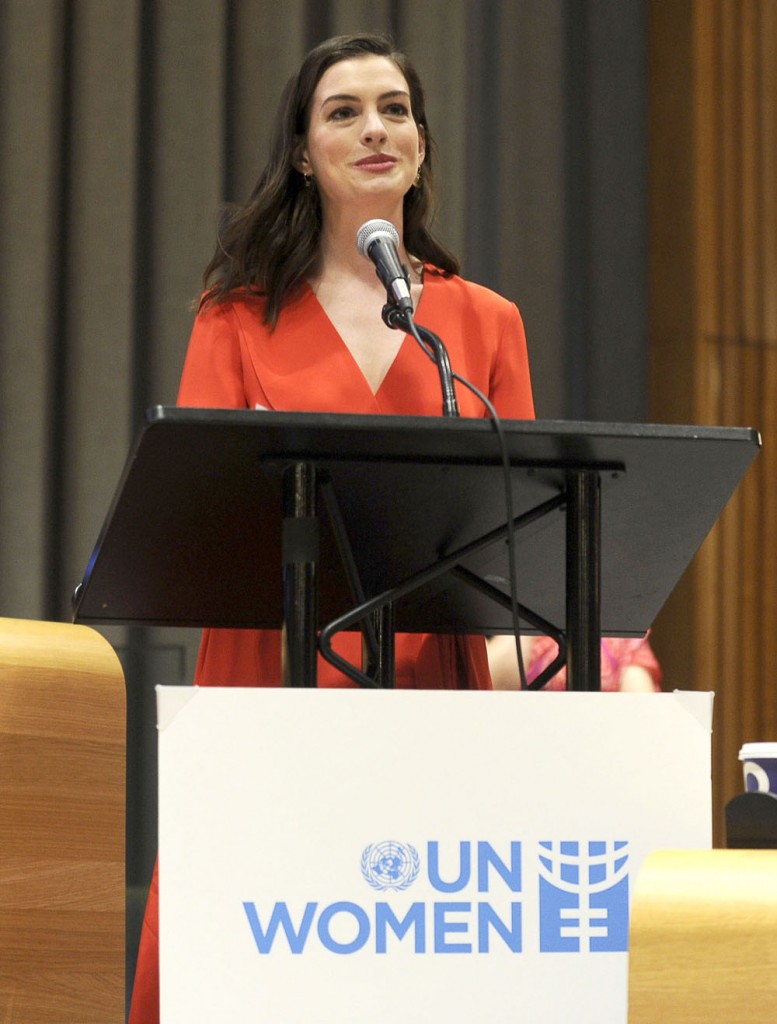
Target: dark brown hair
268, 245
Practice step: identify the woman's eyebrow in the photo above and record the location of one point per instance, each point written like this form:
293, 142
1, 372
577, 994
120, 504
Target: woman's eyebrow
341, 96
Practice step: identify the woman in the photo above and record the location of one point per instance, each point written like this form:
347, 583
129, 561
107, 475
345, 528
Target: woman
291, 320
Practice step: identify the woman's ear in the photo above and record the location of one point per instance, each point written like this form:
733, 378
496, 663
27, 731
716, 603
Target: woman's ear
300, 161
421, 144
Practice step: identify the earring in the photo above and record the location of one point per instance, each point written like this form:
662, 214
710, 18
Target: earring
418, 181
308, 178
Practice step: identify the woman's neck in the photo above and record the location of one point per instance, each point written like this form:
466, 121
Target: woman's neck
339, 255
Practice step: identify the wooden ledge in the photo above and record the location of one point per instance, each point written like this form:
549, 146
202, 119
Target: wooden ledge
62, 812
703, 944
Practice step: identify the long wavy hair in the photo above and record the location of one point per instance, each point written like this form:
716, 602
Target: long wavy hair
268, 245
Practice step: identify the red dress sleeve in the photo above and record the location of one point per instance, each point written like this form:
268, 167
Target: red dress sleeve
511, 391
212, 375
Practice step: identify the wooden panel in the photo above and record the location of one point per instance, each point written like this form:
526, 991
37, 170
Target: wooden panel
703, 938
732, 352
62, 806
722, 369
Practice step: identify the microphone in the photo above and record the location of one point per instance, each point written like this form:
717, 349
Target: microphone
377, 240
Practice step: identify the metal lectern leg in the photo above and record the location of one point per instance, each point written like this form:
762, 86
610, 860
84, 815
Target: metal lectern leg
300, 578
380, 665
584, 581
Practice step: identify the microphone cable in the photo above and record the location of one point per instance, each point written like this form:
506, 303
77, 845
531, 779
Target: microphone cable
431, 344
378, 241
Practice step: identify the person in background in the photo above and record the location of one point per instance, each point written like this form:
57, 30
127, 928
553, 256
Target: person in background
628, 664
290, 319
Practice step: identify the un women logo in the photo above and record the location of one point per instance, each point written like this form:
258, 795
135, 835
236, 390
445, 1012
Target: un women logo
584, 896
390, 865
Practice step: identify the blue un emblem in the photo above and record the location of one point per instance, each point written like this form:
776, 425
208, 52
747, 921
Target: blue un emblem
390, 865
584, 897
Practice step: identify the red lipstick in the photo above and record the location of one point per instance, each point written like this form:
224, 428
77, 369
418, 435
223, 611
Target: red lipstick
376, 162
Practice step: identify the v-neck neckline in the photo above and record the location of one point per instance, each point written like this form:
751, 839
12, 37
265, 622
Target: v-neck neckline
406, 339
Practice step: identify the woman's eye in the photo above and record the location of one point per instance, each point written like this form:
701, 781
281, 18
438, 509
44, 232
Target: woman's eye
397, 110
342, 113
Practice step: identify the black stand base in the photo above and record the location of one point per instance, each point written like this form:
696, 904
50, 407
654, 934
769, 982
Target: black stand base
751, 822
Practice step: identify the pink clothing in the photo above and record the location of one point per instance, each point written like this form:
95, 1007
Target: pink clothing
618, 653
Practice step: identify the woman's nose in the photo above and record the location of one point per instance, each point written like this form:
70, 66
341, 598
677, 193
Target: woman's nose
373, 128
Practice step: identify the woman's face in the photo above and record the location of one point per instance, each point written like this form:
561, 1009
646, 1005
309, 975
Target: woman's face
363, 146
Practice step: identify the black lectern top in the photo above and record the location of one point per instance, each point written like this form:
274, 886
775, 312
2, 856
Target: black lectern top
193, 536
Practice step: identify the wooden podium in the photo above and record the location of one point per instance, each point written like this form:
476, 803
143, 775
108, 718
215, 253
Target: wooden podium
62, 807
703, 944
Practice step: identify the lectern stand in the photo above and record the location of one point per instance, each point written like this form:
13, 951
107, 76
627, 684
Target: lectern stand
401, 521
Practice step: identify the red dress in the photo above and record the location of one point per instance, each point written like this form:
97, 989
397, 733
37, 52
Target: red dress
234, 361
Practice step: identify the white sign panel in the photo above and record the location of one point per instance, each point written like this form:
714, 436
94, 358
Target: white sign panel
360, 857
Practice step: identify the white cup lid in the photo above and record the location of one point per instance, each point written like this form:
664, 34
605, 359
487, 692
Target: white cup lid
752, 751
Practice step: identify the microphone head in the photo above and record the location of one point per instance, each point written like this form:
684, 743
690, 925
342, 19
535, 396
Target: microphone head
372, 230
